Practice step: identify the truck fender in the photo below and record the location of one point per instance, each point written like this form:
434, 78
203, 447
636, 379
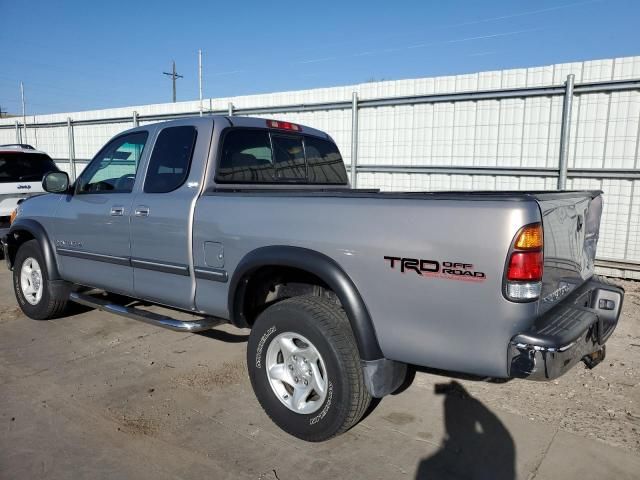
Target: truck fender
322, 267
37, 231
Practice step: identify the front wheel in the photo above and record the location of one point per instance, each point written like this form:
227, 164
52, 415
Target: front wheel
305, 369
32, 287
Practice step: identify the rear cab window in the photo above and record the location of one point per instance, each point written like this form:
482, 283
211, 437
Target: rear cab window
171, 159
25, 167
252, 155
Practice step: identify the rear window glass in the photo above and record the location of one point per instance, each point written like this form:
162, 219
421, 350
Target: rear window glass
24, 167
324, 162
289, 156
247, 158
170, 160
256, 156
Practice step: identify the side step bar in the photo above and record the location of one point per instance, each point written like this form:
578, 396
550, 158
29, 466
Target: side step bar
146, 316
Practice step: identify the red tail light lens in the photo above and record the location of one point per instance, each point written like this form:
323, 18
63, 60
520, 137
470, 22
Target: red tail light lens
525, 266
526, 260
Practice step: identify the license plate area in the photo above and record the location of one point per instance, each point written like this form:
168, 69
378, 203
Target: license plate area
607, 305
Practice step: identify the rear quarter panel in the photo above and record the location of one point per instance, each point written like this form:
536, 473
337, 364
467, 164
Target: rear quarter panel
419, 319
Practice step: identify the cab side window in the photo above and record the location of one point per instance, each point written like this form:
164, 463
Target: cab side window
114, 169
170, 159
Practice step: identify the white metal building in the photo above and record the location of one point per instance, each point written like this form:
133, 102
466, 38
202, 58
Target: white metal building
426, 134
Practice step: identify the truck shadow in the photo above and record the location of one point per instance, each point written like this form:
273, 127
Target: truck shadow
476, 445
224, 336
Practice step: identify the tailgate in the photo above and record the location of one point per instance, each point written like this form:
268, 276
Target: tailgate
571, 225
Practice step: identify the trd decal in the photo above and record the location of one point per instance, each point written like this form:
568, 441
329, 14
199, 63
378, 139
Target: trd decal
435, 268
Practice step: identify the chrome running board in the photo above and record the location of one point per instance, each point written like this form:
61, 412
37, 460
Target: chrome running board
146, 316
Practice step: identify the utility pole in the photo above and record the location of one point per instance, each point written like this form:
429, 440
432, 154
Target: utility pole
200, 78
24, 112
2, 111
173, 76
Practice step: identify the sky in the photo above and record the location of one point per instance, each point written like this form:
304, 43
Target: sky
83, 55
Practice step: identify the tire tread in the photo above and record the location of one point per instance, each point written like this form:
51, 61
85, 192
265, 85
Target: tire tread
55, 306
334, 324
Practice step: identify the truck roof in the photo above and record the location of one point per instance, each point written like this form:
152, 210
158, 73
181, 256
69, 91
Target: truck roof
233, 121
13, 148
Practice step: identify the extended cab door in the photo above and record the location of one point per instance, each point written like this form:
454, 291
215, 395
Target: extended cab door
161, 248
92, 227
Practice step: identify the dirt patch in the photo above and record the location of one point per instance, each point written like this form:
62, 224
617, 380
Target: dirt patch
9, 314
138, 425
205, 378
399, 418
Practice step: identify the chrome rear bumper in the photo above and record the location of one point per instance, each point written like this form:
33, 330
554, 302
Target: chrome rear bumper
575, 330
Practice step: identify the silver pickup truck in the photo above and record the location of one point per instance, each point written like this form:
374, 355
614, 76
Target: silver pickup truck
252, 222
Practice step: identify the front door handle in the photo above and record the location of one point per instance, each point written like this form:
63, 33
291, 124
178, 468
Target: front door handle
117, 211
141, 211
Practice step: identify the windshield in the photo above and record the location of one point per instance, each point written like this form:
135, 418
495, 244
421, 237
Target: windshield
24, 167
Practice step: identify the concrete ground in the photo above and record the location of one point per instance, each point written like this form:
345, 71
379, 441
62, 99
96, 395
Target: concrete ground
98, 396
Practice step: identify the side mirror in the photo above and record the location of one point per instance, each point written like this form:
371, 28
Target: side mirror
55, 182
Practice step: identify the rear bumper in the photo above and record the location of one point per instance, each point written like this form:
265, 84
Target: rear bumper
574, 330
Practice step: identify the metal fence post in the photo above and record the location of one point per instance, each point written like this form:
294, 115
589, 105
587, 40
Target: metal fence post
18, 132
354, 140
565, 132
135, 119
72, 149
230, 109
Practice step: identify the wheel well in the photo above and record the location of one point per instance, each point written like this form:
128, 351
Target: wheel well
270, 284
18, 238
299, 270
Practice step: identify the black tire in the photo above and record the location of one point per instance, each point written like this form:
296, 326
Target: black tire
326, 326
50, 304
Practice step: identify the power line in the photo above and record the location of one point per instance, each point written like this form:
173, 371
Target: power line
173, 76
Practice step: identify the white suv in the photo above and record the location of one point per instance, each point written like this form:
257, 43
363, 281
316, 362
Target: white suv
21, 170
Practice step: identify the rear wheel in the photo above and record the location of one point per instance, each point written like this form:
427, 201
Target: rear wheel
32, 287
305, 369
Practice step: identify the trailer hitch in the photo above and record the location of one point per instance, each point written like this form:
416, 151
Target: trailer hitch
595, 358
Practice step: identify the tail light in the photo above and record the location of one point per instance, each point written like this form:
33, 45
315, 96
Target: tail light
523, 277
283, 125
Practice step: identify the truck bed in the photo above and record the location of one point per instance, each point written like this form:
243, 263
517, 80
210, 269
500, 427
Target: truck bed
412, 314
312, 191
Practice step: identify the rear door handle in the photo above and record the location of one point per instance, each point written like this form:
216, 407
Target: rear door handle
117, 211
141, 211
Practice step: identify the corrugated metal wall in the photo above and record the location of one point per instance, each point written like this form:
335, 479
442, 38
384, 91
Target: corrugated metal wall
510, 133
